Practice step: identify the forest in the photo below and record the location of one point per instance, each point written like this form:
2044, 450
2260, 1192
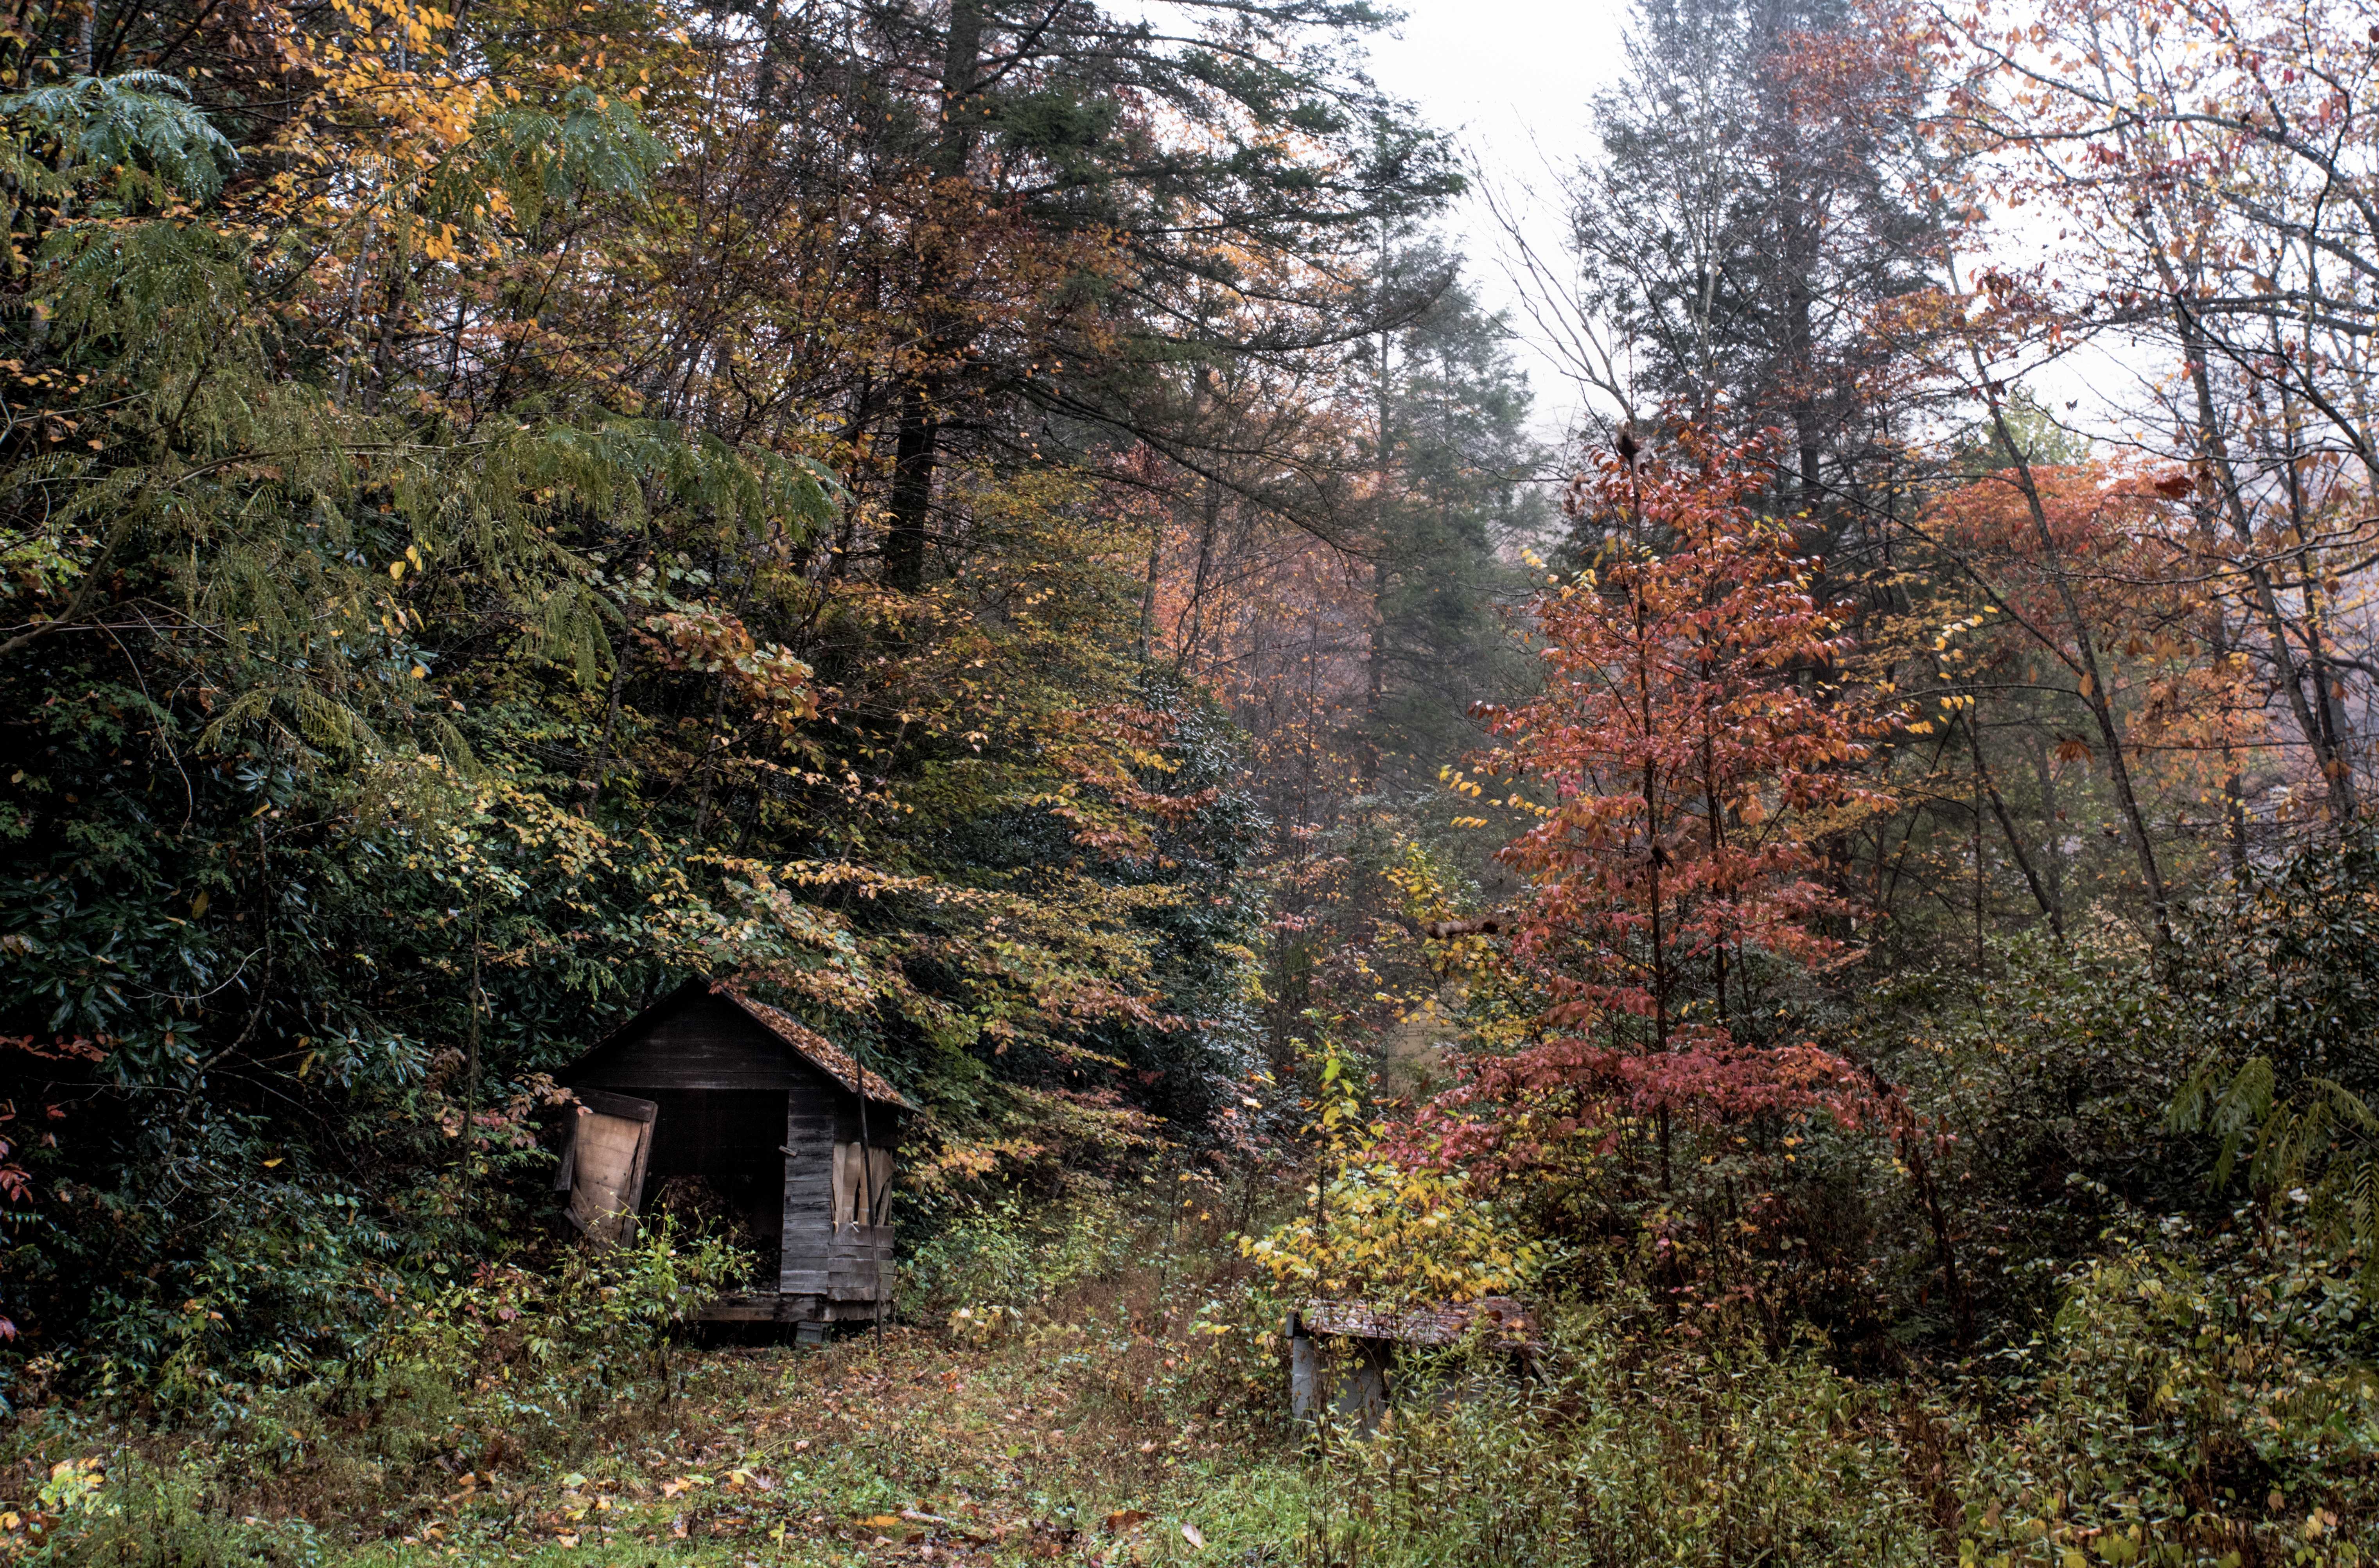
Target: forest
1033, 539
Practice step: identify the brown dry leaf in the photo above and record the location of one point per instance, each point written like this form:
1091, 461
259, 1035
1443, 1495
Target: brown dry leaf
1191, 1534
880, 1522
1123, 1521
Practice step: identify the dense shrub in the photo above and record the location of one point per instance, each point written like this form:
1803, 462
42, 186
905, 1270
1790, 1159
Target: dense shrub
506, 1368
986, 1263
2200, 1401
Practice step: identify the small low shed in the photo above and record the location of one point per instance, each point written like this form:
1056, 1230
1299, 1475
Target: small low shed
1340, 1351
712, 1103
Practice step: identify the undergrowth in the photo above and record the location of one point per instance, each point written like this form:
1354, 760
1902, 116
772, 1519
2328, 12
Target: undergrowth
1114, 1393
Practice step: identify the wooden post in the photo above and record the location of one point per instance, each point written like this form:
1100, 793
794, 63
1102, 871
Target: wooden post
1304, 1372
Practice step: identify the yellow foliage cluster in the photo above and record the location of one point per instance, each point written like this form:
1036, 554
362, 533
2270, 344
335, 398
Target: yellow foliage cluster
1389, 1232
1387, 1229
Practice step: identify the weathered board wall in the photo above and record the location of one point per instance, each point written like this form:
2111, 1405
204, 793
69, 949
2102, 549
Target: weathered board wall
608, 1165
852, 1264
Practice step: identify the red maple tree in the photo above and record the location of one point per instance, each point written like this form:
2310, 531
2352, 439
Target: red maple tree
1692, 747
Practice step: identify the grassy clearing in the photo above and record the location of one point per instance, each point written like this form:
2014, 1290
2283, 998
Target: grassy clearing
902, 1446
1132, 1414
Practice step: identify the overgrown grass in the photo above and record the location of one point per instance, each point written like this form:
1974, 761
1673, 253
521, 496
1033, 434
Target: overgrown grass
574, 1416
2214, 1417
882, 1444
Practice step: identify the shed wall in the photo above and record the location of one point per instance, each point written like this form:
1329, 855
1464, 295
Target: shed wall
856, 1264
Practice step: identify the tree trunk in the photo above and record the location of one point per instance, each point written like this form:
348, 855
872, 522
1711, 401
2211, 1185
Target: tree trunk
2052, 860
913, 489
916, 445
2093, 682
2214, 451
1375, 659
2015, 839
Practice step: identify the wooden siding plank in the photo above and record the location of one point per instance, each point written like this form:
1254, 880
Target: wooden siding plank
859, 1268
809, 1191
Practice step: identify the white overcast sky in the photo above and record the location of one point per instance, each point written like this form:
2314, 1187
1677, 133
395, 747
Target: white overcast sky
1511, 77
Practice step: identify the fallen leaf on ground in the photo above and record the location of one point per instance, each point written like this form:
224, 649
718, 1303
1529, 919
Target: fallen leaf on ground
1189, 1533
1125, 1520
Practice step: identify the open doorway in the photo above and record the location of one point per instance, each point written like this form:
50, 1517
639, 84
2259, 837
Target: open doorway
717, 1164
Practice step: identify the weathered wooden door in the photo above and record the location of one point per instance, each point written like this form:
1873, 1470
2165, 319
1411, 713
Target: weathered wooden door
604, 1168
859, 1262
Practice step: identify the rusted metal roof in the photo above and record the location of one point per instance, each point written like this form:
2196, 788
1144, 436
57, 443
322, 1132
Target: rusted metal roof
813, 1048
1444, 1323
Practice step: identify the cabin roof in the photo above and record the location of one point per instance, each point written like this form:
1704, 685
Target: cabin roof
799, 1038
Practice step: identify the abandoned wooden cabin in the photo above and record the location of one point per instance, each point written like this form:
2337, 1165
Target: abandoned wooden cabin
714, 1105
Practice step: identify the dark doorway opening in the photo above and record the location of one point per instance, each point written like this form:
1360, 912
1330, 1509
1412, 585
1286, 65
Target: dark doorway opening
719, 1162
